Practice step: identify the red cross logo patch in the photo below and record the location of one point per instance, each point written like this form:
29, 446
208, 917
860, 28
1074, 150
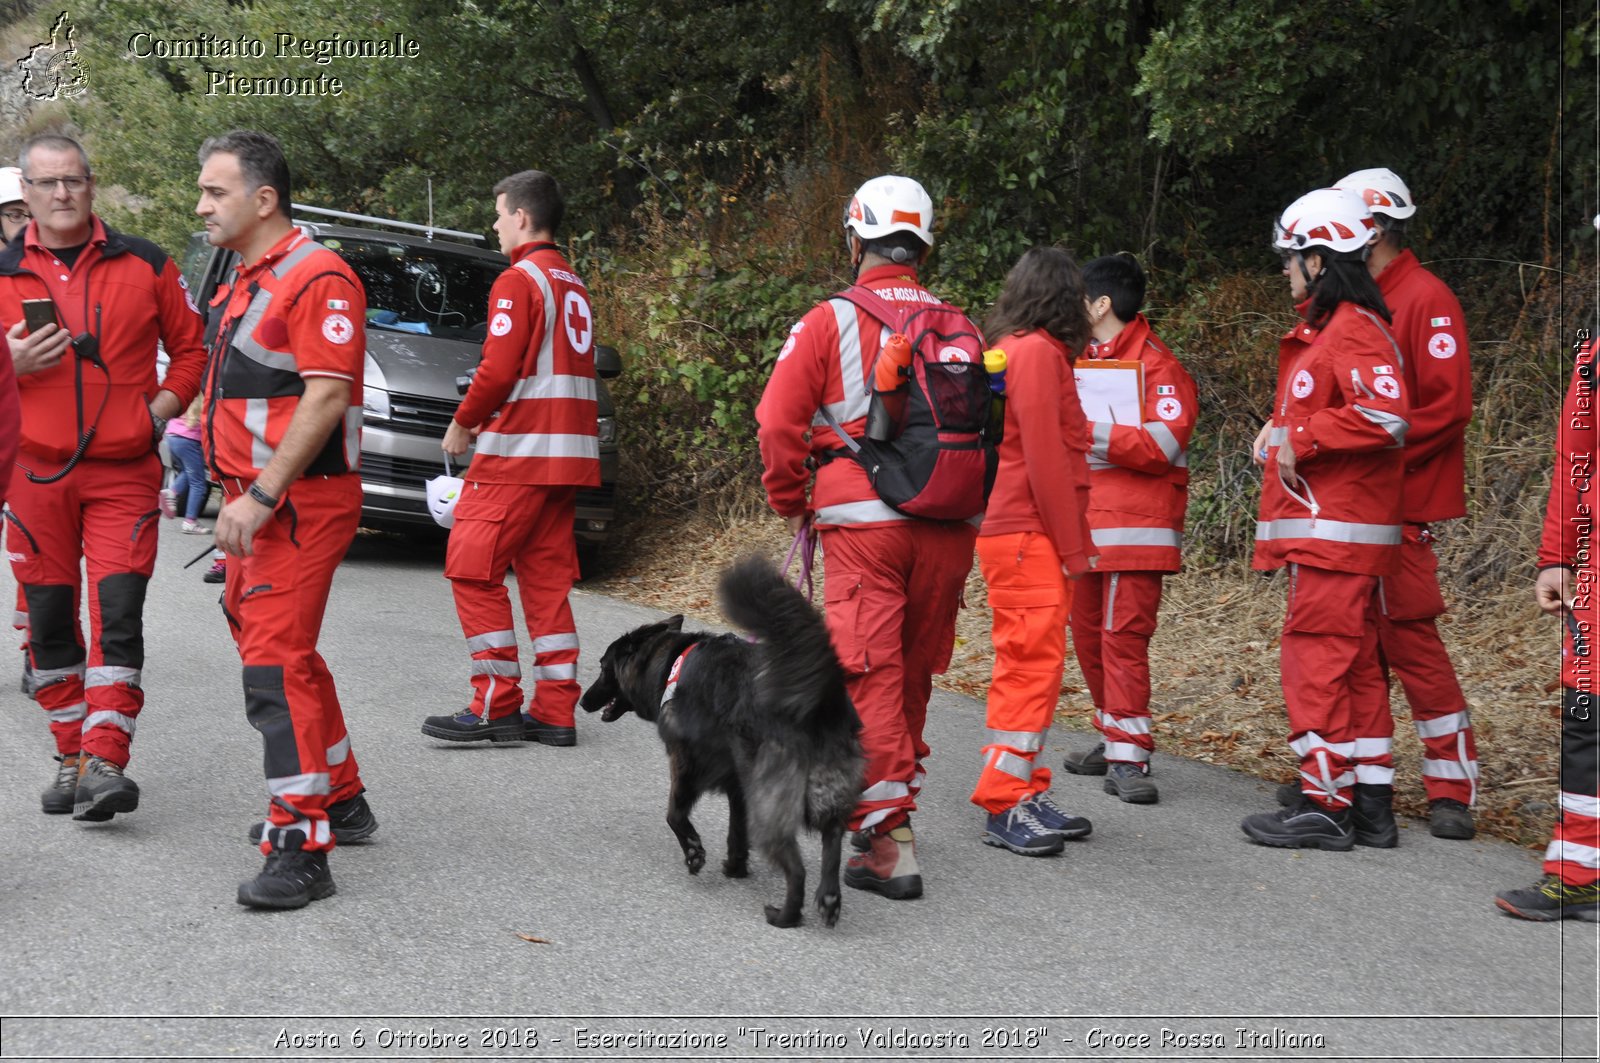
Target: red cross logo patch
1442, 345
1169, 409
336, 328
579, 322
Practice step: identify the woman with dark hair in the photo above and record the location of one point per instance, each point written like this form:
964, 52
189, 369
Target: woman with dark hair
1330, 513
1034, 539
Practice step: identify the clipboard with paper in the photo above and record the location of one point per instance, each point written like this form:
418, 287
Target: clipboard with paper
1110, 390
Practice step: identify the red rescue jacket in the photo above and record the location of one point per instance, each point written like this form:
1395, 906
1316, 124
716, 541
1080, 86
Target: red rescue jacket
1432, 334
1342, 407
1139, 473
1569, 516
535, 392
129, 293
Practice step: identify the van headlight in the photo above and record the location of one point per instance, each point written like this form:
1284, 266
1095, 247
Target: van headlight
374, 392
608, 429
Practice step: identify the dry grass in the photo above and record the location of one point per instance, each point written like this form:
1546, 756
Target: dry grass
1214, 667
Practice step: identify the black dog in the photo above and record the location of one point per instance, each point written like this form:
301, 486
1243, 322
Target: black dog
768, 723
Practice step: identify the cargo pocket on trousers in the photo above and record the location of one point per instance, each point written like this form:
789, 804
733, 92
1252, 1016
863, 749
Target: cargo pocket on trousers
843, 614
474, 541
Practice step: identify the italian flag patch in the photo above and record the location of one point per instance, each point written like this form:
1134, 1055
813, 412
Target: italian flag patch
338, 304
1165, 389
1440, 322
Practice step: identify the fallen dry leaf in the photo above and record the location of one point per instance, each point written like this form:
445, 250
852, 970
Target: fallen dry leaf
536, 941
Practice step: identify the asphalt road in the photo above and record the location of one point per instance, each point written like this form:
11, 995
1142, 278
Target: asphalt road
530, 894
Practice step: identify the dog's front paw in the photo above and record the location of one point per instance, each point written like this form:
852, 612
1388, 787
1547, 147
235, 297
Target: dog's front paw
736, 867
778, 917
828, 907
694, 857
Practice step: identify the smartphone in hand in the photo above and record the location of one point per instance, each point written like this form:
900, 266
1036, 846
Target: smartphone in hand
38, 313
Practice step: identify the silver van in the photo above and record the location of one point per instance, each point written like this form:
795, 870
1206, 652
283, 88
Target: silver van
427, 314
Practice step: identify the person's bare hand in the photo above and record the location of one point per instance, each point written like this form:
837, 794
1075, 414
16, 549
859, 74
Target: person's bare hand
1553, 589
37, 351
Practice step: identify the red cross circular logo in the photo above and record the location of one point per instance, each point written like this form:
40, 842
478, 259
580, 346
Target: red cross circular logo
1169, 409
579, 322
1442, 345
337, 329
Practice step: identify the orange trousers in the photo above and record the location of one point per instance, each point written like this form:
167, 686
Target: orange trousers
1031, 599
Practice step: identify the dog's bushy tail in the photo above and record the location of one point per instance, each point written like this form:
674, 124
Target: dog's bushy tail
800, 672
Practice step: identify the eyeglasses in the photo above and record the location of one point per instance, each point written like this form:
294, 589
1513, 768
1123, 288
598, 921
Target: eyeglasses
15, 215
48, 185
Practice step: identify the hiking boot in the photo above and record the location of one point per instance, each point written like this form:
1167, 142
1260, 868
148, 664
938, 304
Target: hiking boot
1288, 794
1450, 819
468, 726
1053, 818
548, 734
1017, 830
1131, 783
1552, 899
1305, 826
1372, 816
102, 790
351, 821
1089, 762
888, 866
217, 573
292, 877
59, 796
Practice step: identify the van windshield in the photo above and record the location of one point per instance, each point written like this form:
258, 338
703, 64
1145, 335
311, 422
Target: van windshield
429, 290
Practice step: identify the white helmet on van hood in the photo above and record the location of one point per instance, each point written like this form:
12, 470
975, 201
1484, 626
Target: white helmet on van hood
890, 204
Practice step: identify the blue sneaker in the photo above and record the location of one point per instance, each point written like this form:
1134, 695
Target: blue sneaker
1017, 829
1053, 818
468, 726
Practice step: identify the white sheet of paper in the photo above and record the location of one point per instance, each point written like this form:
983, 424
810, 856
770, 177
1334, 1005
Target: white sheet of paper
1109, 393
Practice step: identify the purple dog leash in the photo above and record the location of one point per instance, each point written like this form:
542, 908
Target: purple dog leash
805, 543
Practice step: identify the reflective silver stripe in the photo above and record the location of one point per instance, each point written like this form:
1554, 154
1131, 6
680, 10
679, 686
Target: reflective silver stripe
1136, 537
852, 373
918, 779
561, 640
1371, 747
1128, 725
1449, 769
70, 714
1111, 597
489, 666
303, 785
339, 752
1100, 442
868, 512
353, 417
108, 718
491, 640
1165, 440
1022, 741
873, 818
1374, 775
1127, 751
244, 334
19, 618
107, 675
1333, 531
255, 421
1014, 766
1586, 805
1573, 853
1399, 359
1392, 423
554, 387
41, 676
556, 672
546, 364
1181, 461
885, 791
539, 445
1277, 435
1444, 725
1311, 740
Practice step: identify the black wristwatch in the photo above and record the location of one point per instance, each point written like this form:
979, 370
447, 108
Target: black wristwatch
158, 426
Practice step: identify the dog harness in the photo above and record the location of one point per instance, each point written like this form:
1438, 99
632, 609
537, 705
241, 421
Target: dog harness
675, 674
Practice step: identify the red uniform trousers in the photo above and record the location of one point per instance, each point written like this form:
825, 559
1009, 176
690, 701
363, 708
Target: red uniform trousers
525, 528
1113, 617
892, 593
1573, 855
275, 600
1030, 598
1333, 684
104, 516
1409, 644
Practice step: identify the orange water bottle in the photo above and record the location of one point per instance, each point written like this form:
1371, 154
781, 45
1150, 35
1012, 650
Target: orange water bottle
889, 385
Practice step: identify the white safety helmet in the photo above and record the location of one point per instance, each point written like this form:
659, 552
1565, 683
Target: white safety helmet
443, 493
10, 185
890, 204
1330, 218
1382, 191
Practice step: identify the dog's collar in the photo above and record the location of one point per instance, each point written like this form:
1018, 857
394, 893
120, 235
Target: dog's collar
675, 674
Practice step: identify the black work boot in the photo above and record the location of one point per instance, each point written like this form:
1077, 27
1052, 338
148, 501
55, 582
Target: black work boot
468, 726
547, 734
1372, 816
1305, 826
351, 821
292, 877
1448, 818
1086, 762
1288, 793
58, 797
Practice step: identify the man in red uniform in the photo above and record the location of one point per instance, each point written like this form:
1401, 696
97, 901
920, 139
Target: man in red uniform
532, 405
1432, 334
1330, 513
892, 583
1566, 587
14, 218
283, 437
1138, 491
87, 477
